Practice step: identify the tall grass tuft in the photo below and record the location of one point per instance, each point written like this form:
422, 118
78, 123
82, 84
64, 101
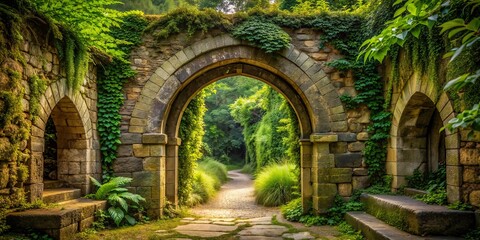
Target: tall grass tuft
215, 169
276, 184
208, 178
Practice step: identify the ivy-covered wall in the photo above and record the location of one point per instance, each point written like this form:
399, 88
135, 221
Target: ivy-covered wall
33, 88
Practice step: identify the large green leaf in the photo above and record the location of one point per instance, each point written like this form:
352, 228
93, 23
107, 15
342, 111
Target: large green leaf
116, 214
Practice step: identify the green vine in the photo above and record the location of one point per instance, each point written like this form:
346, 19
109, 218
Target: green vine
266, 35
37, 87
110, 91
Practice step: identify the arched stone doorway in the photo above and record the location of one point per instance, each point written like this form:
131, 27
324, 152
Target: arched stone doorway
76, 159
416, 141
165, 95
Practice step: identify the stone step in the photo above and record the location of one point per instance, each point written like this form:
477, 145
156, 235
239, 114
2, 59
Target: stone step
61, 221
374, 229
60, 195
417, 217
52, 184
411, 192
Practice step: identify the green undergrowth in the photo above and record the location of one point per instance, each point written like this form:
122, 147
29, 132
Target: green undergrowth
293, 210
208, 177
276, 184
433, 182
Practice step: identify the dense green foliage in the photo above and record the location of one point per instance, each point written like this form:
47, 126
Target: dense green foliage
123, 206
263, 34
266, 117
190, 151
293, 211
207, 180
223, 135
276, 184
110, 90
433, 182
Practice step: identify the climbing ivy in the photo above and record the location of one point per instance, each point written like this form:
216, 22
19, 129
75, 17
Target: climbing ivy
190, 151
110, 95
264, 34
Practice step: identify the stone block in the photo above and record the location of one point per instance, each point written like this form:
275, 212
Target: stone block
131, 138
360, 182
454, 175
154, 138
152, 163
470, 156
125, 151
323, 138
474, 198
127, 164
356, 146
73, 167
348, 160
324, 189
145, 179
340, 175
471, 174
452, 157
345, 189
347, 137
324, 161
140, 150
360, 171
338, 147
322, 203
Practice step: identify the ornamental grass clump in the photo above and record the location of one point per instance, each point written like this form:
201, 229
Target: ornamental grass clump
276, 184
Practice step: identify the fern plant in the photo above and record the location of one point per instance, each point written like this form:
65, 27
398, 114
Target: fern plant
120, 201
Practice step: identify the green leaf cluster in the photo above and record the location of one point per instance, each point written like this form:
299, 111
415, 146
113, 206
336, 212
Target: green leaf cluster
264, 34
121, 203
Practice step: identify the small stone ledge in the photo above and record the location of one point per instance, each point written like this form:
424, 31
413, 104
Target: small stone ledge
154, 138
324, 138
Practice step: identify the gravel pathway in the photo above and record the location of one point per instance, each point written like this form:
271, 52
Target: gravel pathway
235, 200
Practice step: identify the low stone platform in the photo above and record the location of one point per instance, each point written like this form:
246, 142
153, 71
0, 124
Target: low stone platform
417, 217
372, 228
56, 195
61, 221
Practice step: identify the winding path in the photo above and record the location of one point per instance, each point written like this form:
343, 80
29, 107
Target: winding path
235, 200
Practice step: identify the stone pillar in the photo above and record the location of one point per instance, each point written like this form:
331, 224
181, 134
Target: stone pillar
323, 163
172, 170
305, 174
153, 173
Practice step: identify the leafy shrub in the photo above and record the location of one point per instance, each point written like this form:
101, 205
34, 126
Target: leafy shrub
293, 210
348, 232
435, 196
276, 184
473, 235
121, 202
265, 35
248, 168
3, 221
461, 206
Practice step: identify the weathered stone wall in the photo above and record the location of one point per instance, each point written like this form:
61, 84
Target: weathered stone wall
415, 101
334, 166
73, 112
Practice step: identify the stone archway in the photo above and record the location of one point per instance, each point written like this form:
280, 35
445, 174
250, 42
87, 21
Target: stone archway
76, 159
158, 110
414, 134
